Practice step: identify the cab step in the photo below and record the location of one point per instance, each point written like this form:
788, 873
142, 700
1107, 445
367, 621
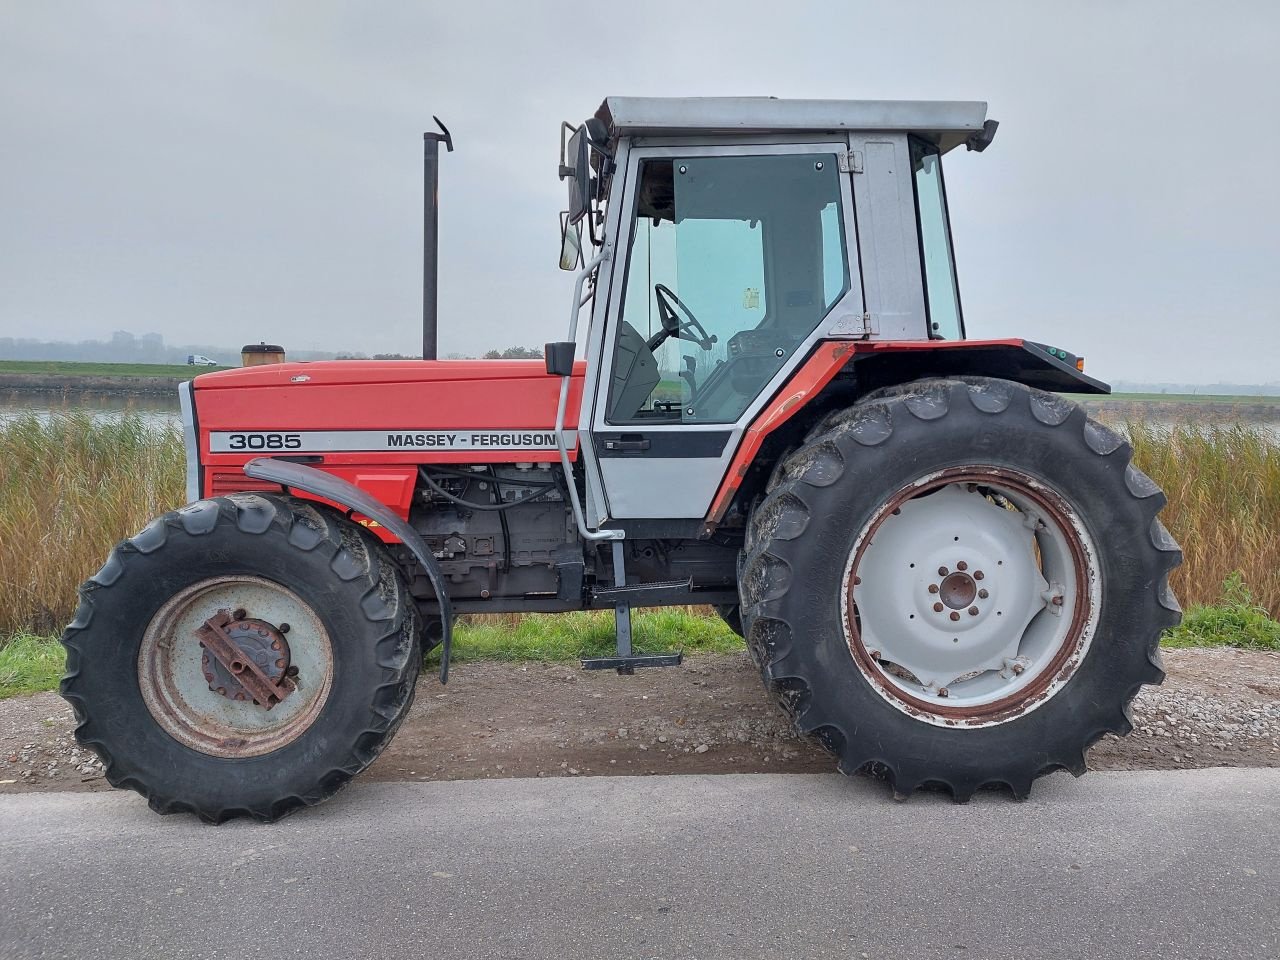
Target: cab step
623, 597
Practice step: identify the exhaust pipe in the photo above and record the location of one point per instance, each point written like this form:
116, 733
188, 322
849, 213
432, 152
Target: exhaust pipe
431, 234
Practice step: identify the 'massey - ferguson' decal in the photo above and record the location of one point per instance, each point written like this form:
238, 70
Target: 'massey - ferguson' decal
320, 441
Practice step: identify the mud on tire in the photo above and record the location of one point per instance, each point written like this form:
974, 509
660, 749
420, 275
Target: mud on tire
339, 573
802, 621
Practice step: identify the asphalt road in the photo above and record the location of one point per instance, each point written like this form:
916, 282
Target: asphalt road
1159, 864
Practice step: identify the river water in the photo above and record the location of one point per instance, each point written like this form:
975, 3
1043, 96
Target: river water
159, 410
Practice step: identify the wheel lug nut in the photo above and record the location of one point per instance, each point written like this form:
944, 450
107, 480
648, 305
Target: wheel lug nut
944, 692
954, 615
937, 608
856, 582
239, 614
982, 594
962, 565
973, 611
978, 574
943, 571
283, 628
873, 654
933, 588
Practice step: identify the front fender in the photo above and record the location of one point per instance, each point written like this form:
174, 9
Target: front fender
296, 476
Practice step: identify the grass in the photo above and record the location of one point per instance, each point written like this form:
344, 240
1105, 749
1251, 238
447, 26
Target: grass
30, 664
1223, 398
75, 369
590, 634
1238, 621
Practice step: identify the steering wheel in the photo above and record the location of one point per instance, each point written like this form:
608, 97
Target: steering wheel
674, 325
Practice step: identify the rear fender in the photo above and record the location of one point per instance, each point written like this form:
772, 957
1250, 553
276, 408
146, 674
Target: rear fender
296, 476
857, 367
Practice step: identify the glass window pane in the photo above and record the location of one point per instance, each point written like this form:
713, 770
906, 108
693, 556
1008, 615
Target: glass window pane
941, 293
734, 262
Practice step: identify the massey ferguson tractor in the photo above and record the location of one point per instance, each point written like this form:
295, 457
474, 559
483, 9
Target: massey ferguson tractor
946, 572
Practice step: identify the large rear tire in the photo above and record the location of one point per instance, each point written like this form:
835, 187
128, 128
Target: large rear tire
312, 596
961, 583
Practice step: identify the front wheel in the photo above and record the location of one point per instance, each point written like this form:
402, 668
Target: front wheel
960, 583
246, 655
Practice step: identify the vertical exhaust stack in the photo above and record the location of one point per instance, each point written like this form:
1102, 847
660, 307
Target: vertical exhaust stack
431, 234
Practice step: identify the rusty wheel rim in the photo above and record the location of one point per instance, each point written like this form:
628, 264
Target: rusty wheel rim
174, 672
970, 596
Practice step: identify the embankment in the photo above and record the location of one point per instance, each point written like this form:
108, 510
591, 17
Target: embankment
72, 384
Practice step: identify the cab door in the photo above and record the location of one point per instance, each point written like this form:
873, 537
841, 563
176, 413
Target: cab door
734, 261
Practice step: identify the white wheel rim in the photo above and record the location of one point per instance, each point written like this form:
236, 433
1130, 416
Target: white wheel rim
969, 596
178, 695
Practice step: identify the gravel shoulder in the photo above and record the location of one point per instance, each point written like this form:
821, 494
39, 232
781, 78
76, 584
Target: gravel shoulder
1217, 708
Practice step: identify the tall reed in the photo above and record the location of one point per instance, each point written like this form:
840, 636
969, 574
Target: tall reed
70, 489
1223, 484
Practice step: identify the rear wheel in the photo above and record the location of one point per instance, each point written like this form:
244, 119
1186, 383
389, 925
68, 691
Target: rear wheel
246, 655
959, 582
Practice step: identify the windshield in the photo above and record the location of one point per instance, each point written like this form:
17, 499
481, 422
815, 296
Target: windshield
734, 262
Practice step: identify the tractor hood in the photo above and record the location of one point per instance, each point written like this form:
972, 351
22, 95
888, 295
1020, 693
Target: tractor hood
341, 405
337, 372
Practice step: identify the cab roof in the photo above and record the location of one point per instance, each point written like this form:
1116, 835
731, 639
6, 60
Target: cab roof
947, 123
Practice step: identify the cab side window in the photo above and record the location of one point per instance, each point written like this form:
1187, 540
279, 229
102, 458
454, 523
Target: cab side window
734, 261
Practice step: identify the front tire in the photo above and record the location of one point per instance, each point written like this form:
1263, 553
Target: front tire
961, 583
311, 596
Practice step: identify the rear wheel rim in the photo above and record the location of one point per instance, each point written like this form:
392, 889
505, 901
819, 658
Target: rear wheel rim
177, 692
970, 596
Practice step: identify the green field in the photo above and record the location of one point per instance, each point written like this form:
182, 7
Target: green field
60, 368
1231, 400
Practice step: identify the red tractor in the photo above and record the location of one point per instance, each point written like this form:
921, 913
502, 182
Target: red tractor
945, 570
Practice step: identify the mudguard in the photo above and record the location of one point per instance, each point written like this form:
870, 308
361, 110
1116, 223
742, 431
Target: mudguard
318, 483
883, 363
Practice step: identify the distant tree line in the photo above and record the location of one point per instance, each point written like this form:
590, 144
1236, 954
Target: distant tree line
126, 347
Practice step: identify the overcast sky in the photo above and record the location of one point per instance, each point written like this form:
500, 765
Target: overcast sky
222, 172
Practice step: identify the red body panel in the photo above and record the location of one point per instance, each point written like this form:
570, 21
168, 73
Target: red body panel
381, 396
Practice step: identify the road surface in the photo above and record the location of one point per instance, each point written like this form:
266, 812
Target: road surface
1153, 864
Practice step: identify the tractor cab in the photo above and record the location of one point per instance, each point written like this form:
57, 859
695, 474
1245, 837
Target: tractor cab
726, 239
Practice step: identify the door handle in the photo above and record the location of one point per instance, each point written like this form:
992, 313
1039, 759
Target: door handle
638, 443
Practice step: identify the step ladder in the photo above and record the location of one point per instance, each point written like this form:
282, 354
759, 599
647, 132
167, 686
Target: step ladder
623, 596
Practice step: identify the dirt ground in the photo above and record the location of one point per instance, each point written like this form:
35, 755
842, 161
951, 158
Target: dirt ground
1216, 708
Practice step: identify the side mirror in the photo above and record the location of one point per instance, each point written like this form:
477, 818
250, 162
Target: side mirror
575, 166
560, 358
570, 244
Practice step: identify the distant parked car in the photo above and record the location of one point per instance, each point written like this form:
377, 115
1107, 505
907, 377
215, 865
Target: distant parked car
196, 360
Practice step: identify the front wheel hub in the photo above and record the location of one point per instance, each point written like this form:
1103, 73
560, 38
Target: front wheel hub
229, 684
252, 641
